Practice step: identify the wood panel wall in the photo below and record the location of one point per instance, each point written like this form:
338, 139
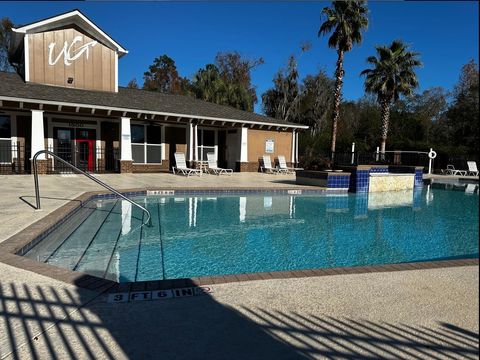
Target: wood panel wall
95, 73
256, 144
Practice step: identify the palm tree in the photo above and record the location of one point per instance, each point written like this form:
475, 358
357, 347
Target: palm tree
393, 74
345, 20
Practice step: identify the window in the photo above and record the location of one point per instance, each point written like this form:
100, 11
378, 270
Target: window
206, 143
146, 144
5, 140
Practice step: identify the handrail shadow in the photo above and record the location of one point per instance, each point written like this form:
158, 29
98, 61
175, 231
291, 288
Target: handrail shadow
24, 199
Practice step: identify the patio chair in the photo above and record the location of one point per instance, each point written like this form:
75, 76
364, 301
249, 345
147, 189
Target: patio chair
267, 166
452, 171
282, 164
212, 165
181, 166
472, 168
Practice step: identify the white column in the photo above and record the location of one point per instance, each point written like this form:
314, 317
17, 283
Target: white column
190, 141
125, 139
38, 138
195, 147
50, 142
98, 151
244, 145
296, 147
163, 142
13, 135
216, 145
292, 158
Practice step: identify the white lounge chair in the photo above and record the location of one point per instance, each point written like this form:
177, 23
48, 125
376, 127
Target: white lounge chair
181, 166
452, 171
267, 166
212, 165
282, 164
472, 168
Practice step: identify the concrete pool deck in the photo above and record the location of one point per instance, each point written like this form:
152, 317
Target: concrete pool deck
418, 313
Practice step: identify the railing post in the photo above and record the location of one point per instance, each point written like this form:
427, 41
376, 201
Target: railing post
353, 153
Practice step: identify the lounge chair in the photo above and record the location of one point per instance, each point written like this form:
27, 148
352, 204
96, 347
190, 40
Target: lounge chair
472, 168
452, 171
181, 166
282, 164
212, 165
267, 166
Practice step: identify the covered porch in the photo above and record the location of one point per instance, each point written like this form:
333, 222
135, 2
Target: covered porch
105, 139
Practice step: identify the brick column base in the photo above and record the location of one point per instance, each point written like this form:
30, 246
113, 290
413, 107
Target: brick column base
247, 166
42, 166
126, 166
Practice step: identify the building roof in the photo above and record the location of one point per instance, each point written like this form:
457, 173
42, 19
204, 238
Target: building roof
13, 88
74, 17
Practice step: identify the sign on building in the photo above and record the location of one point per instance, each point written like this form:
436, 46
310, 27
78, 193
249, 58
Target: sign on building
269, 146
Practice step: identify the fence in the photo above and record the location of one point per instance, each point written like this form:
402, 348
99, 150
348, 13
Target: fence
407, 158
15, 158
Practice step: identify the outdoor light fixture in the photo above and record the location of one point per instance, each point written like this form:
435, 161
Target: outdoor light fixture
70, 80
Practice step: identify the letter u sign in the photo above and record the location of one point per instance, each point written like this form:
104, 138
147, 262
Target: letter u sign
68, 52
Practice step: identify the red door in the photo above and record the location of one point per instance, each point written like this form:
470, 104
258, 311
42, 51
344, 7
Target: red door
85, 141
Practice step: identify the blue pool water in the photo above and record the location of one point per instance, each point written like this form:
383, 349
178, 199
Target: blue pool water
218, 235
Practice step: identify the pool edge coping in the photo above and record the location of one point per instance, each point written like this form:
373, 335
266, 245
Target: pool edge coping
14, 244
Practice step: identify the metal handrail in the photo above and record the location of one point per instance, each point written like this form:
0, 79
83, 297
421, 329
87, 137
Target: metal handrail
101, 183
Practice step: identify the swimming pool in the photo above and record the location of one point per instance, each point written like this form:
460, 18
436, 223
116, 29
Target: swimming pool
219, 234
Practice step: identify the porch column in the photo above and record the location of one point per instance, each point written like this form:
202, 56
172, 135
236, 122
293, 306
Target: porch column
296, 148
190, 142
195, 147
38, 140
126, 161
244, 149
292, 158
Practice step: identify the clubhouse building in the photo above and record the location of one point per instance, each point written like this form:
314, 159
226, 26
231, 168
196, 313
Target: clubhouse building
65, 98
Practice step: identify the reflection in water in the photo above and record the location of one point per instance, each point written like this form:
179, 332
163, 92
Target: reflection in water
471, 189
242, 208
429, 195
382, 200
126, 217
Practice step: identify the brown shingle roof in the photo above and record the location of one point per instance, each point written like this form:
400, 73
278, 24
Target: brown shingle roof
12, 85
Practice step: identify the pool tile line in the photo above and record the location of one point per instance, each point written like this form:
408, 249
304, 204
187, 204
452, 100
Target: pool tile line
223, 279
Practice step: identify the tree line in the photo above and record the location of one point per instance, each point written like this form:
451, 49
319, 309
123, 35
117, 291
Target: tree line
391, 107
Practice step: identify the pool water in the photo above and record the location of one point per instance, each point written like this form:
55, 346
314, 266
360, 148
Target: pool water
218, 235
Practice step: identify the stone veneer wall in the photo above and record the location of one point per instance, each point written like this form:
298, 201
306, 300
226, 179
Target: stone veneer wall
126, 167
391, 183
42, 166
247, 166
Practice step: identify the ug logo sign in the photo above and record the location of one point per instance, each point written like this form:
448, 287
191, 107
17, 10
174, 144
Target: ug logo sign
68, 52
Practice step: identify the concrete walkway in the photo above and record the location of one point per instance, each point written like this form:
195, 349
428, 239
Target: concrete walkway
406, 314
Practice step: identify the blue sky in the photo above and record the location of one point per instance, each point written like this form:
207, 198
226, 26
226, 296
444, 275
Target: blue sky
445, 33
